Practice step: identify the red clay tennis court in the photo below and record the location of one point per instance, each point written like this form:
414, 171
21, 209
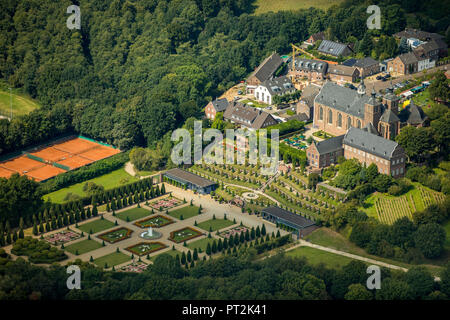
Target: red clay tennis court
99, 153
21, 164
75, 146
50, 154
5, 173
45, 172
71, 153
74, 162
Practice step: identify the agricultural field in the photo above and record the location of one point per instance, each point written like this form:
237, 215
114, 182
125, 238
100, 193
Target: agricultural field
110, 180
21, 103
387, 209
263, 6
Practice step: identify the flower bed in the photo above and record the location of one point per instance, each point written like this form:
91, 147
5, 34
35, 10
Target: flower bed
184, 234
157, 221
62, 237
233, 231
166, 203
137, 267
144, 248
116, 235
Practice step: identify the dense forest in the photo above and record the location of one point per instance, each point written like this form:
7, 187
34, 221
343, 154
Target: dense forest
138, 69
234, 276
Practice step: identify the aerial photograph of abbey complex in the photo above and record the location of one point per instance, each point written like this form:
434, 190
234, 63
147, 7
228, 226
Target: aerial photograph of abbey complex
226, 158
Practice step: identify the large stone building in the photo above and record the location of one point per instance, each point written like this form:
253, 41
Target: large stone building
369, 148
338, 108
306, 103
366, 66
324, 153
406, 63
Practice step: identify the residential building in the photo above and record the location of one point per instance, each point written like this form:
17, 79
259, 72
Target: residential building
417, 34
368, 148
263, 72
342, 74
248, 116
274, 87
307, 69
406, 63
367, 67
314, 38
335, 49
219, 105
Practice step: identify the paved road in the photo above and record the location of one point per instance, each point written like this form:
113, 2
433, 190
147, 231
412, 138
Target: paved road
380, 85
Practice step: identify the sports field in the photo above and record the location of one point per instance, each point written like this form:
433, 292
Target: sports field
264, 6
46, 161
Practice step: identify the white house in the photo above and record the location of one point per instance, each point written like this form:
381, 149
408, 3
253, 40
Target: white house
274, 87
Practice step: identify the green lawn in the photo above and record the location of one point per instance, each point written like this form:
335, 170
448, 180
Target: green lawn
200, 244
214, 225
187, 212
279, 5
21, 104
184, 234
110, 180
112, 259
83, 246
133, 214
172, 253
96, 226
316, 256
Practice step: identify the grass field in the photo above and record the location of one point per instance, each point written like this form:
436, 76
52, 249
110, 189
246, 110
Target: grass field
96, 226
285, 5
83, 246
20, 102
172, 253
329, 238
112, 259
200, 244
110, 180
187, 212
216, 224
316, 256
133, 214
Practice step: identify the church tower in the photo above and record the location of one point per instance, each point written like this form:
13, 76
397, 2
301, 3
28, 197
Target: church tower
390, 100
372, 109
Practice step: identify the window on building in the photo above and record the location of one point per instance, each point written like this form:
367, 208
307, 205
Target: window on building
349, 122
339, 120
330, 116
320, 113
358, 124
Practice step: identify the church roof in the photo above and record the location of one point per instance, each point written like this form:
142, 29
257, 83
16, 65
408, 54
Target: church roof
413, 114
370, 128
342, 99
389, 116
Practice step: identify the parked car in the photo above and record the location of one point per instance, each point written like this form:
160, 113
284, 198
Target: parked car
239, 91
379, 77
387, 76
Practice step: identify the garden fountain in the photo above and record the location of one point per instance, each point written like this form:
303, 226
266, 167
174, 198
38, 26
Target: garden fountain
150, 234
